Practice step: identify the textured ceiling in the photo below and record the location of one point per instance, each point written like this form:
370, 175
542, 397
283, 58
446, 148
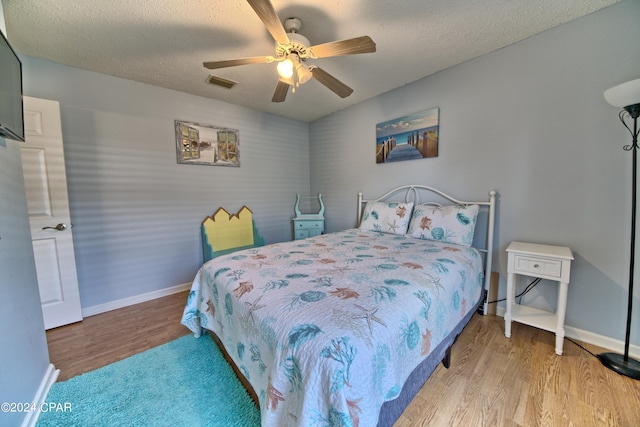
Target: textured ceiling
165, 42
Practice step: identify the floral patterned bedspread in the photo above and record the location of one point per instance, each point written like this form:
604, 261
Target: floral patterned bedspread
328, 328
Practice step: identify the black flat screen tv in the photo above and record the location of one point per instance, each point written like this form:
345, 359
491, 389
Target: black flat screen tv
11, 115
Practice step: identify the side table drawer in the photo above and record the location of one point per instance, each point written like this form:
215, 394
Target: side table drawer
529, 264
307, 225
301, 234
303, 228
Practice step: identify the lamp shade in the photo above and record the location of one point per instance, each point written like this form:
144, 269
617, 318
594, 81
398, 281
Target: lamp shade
624, 94
304, 74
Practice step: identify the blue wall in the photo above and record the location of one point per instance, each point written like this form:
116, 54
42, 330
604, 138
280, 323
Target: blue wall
530, 121
136, 213
24, 358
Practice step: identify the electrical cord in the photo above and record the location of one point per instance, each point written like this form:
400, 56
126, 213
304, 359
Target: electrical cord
530, 286
569, 339
526, 290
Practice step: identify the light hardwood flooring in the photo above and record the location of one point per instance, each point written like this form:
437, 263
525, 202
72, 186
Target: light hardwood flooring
492, 381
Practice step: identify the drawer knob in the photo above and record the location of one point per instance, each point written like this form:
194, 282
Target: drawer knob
536, 265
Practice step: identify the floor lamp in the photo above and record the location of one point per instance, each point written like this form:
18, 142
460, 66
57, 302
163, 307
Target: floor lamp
627, 97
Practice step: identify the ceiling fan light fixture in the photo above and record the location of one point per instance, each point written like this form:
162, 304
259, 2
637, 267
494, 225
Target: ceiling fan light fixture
285, 68
289, 67
304, 74
292, 50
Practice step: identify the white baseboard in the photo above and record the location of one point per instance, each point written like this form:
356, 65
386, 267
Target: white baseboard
592, 338
50, 377
125, 302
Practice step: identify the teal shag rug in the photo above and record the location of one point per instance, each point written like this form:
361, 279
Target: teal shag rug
186, 382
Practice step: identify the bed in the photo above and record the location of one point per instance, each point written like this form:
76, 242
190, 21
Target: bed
344, 328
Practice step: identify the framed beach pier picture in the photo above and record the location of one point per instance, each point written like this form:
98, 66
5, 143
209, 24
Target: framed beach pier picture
414, 136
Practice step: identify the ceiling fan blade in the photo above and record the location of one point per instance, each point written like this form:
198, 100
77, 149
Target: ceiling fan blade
212, 65
335, 85
362, 44
267, 14
281, 91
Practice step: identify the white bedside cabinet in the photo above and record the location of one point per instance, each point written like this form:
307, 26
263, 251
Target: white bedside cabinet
546, 262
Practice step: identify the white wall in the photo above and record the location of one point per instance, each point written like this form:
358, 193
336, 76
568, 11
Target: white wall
531, 122
136, 213
24, 357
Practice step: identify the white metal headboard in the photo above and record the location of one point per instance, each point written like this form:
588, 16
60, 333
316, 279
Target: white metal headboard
412, 194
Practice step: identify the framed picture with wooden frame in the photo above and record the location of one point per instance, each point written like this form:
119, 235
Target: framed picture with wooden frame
414, 136
199, 144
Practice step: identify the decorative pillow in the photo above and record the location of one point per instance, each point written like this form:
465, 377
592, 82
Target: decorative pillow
451, 224
386, 217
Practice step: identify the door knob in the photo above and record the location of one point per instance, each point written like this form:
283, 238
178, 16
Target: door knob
59, 227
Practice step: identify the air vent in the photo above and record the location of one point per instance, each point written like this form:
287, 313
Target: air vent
219, 81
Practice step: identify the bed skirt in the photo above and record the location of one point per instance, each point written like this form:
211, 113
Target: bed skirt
392, 409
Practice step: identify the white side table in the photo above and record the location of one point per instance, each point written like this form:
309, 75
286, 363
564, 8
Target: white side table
545, 262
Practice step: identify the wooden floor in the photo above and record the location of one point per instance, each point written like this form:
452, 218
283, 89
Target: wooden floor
108, 337
492, 381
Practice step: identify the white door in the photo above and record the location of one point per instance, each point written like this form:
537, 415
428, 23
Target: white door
48, 203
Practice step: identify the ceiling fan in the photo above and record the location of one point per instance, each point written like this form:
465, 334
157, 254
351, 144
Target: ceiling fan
292, 52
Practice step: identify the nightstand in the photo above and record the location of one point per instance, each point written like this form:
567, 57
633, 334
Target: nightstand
545, 262
308, 224
307, 227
